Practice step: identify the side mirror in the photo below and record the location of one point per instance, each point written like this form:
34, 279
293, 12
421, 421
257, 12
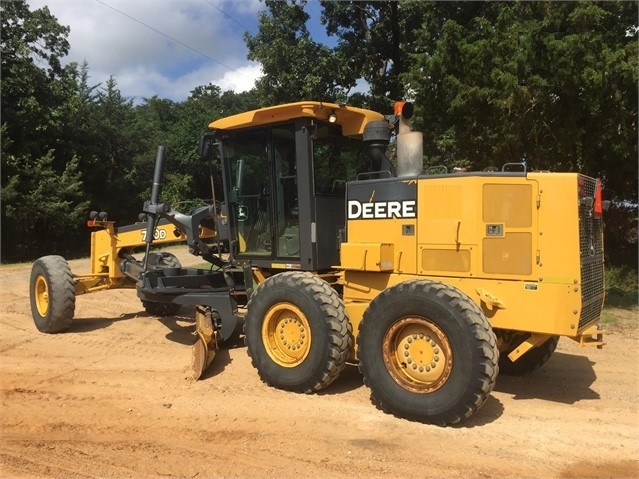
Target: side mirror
204, 145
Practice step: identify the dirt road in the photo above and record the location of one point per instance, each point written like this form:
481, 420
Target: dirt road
110, 399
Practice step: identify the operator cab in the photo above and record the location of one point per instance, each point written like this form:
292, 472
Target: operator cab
284, 172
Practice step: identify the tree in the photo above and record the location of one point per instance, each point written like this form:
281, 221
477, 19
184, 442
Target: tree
373, 40
549, 83
41, 190
32, 96
39, 209
295, 67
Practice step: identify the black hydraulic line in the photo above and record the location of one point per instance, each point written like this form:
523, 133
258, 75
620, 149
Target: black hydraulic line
152, 208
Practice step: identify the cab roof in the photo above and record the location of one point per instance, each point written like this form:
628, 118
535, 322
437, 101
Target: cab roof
351, 119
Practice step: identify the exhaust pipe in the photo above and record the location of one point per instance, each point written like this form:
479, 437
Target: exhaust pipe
410, 144
410, 153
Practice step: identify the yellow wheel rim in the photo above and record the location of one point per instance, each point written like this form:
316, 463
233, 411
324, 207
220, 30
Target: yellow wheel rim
286, 335
418, 355
42, 295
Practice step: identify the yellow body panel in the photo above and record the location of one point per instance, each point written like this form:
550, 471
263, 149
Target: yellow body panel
108, 242
543, 308
368, 256
353, 120
511, 243
557, 223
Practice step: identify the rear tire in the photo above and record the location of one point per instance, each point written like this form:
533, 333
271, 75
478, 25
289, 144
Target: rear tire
297, 333
427, 352
529, 362
52, 294
162, 260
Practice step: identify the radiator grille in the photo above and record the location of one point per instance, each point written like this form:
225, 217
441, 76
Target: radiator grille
591, 255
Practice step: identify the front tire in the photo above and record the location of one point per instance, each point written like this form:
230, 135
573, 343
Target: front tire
52, 294
297, 333
427, 352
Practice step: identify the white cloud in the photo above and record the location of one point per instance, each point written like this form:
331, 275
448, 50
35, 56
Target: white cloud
243, 79
163, 48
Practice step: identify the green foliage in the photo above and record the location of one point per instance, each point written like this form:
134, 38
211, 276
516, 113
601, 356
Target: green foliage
553, 84
622, 287
620, 235
373, 37
609, 318
43, 205
295, 67
34, 99
41, 190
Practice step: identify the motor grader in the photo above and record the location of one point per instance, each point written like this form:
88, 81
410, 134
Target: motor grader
430, 281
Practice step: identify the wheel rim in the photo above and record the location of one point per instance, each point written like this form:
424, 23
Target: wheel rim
286, 335
42, 295
417, 354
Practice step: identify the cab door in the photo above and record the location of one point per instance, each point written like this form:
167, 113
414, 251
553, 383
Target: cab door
260, 181
245, 161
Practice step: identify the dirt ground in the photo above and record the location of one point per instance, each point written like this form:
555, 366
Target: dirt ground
110, 399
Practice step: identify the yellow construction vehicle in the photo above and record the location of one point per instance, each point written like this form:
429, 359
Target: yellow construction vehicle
431, 283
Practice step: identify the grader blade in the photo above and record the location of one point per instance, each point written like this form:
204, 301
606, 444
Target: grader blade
206, 343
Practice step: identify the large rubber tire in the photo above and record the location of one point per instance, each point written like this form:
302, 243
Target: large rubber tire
52, 294
427, 352
529, 362
162, 260
297, 333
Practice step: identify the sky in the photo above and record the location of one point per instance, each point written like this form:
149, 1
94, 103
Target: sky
164, 48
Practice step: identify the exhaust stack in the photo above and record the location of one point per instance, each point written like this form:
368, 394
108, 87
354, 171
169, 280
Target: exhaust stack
410, 144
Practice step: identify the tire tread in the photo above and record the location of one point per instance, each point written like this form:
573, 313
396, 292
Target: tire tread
340, 329
478, 328
61, 287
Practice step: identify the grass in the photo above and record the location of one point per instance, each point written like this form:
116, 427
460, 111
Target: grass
620, 318
622, 287
621, 307
609, 317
